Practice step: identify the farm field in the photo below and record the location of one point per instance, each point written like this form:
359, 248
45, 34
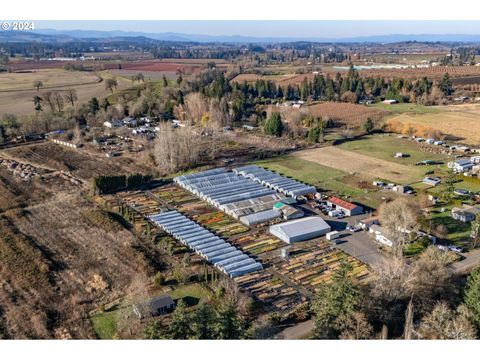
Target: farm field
385, 146
18, 100
311, 172
346, 113
365, 165
79, 162
461, 122
409, 108
51, 78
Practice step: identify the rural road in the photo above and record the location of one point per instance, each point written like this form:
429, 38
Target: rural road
300, 331
472, 260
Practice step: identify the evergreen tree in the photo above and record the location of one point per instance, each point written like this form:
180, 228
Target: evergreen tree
333, 301
446, 86
180, 327
369, 126
203, 321
93, 105
274, 125
472, 295
228, 324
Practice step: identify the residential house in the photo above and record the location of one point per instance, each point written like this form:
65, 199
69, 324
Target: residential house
432, 181
153, 307
461, 165
465, 214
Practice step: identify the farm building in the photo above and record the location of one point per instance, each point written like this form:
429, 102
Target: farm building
272, 180
348, 208
288, 212
460, 166
365, 224
214, 249
260, 217
156, 306
300, 229
432, 181
465, 214
380, 235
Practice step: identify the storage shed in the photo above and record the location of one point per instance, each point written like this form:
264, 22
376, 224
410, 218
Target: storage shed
301, 229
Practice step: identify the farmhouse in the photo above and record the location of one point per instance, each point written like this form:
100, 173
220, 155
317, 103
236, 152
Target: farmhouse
156, 306
380, 235
465, 214
432, 181
348, 208
461, 165
300, 229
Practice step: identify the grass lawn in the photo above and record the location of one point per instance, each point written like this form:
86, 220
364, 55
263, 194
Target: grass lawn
384, 146
105, 323
458, 232
192, 294
311, 173
414, 248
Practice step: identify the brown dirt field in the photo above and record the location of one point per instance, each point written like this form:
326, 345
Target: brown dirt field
459, 121
346, 113
83, 264
79, 162
352, 162
464, 74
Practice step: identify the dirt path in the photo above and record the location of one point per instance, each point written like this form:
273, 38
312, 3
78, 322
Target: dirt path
353, 162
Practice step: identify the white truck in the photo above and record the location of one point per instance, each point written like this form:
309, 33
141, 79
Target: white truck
332, 235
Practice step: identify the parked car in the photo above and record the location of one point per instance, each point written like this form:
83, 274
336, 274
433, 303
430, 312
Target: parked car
354, 228
456, 249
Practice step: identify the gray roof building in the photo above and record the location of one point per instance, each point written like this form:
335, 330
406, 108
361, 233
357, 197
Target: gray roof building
156, 306
300, 229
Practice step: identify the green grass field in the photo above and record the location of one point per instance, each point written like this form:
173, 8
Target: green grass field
386, 145
309, 172
403, 108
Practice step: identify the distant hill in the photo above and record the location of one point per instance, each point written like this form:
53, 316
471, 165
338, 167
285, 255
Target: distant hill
52, 35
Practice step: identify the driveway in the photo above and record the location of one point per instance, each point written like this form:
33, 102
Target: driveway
471, 260
299, 331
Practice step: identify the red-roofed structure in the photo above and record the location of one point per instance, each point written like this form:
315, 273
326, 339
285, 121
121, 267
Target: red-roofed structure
347, 207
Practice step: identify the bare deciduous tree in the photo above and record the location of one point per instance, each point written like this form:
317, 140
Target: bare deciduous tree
71, 96
447, 324
399, 218
176, 149
195, 107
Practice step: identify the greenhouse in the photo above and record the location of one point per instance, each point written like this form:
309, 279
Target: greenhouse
220, 253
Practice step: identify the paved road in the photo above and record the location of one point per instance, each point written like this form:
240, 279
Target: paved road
299, 331
472, 260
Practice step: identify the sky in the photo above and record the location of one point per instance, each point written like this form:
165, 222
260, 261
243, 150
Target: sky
278, 28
